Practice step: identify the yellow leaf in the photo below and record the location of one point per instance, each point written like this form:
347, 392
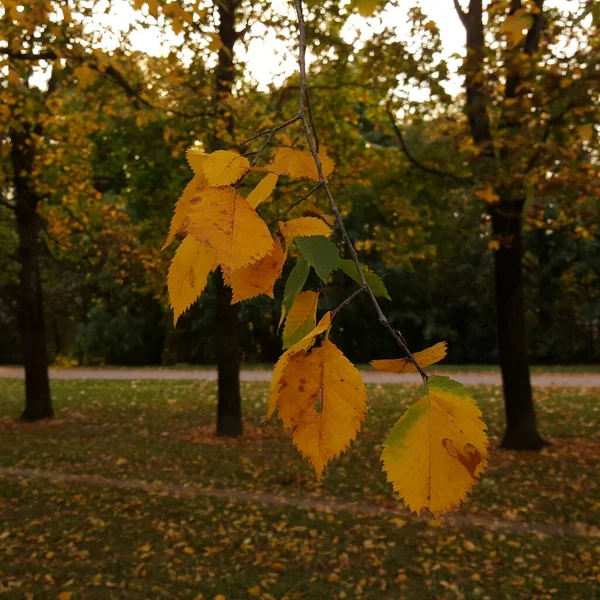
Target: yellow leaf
315, 211
322, 402
300, 164
437, 448
224, 167
153, 7
196, 158
255, 591
494, 244
585, 132
183, 205
188, 274
301, 319
426, 357
487, 194
65, 596
223, 220
304, 344
304, 226
263, 190
215, 43
515, 26
259, 277
366, 7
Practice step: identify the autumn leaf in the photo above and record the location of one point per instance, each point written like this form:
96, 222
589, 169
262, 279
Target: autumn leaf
215, 43
263, 190
437, 449
317, 213
188, 274
304, 344
303, 227
487, 194
259, 277
366, 7
300, 164
516, 25
223, 220
196, 158
293, 286
224, 167
426, 357
301, 319
322, 402
183, 206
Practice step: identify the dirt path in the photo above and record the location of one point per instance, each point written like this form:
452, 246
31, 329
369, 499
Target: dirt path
468, 378
303, 502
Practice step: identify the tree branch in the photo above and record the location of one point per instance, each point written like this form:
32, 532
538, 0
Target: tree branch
462, 15
308, 127
347, 301
415, 161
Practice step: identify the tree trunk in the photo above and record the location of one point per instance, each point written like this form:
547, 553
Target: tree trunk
38, 402
521, 430
229, 408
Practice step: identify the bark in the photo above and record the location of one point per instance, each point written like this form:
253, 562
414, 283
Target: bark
521, 430
38, 402
229, 407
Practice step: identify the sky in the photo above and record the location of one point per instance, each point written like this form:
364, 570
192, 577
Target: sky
268, 60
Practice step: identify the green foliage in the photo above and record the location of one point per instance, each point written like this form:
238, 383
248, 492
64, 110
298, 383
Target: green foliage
320, 253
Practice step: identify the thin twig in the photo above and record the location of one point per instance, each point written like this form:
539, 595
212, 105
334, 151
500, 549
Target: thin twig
347, 301
415, 161
294, 204
272, 129
311, 144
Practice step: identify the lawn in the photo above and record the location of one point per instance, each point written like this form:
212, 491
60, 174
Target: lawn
101, 541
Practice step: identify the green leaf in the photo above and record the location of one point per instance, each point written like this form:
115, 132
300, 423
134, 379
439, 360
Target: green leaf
295, 282
321, 253
375, 282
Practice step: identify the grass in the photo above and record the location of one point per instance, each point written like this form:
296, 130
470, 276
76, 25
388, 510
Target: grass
111, 543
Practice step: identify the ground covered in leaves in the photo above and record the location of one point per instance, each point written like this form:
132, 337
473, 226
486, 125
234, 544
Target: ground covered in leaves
69, 540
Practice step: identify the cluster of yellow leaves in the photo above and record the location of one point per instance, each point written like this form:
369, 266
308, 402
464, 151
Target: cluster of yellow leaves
435, 451
433, 454
223, 229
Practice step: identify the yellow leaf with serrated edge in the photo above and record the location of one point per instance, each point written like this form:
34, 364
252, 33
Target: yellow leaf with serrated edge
263, 190
223, 220
182, 207
425, 358
304, 344
188, 274
301, 319
196, 158
300, 164
259, 277
315, 211
322, 402
224, 167
437, 449
515, 26
303, 227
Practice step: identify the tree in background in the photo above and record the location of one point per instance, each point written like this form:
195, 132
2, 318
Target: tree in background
530, 103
